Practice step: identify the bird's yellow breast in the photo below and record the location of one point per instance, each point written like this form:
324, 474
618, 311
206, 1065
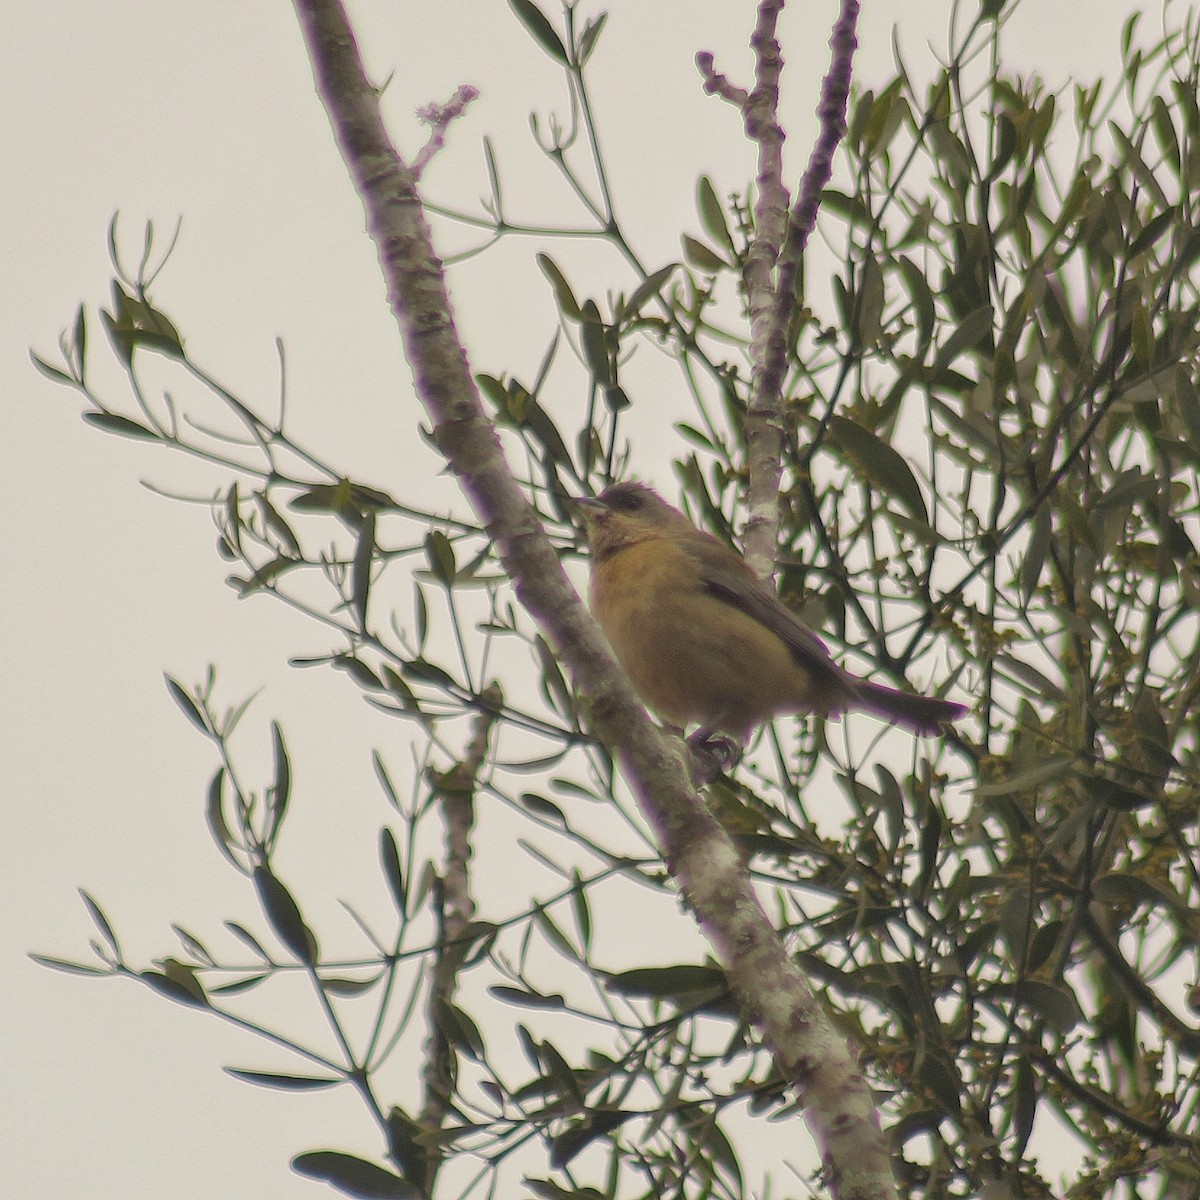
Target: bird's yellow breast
691, 656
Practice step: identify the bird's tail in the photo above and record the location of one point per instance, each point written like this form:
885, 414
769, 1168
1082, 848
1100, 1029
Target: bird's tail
921, 714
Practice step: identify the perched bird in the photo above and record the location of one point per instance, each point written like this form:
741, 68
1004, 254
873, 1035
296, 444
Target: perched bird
703, 640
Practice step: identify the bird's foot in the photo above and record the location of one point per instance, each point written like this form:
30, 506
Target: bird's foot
713, 754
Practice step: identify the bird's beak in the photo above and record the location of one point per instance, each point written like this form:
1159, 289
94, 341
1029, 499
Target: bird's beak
590, 506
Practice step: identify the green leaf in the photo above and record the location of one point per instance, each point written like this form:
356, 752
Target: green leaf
420, 616
186, 976
1035, 554
567, 304
263, 576
69, 968
1053, 1003
360, 569
702, 258
247, 938
278, 526
283, 913
183, 989
79, 341
543, 32
403, 693
353, 1175
193, 946
214, 813
101, 921
583, 916
1117, 887
715, 1141
840, 204
554, 935
348, 500
115, 423
393, 870
348, 987
281, 789
493, 174
526, 997
245, 984
712, 213
1153, 230
666, 982
1137, 165
1030, 776
542, 807
650, 286
546, 433
1025, 1097
1006, 144
459, 1029
580, 1133
554, 682
1164, 130
359, 672
51, 372
427, 672
971, 331
921, 296
287, 1083
590, 36
878, 463
595, 344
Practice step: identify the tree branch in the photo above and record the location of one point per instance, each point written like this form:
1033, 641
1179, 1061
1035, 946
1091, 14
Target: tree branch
839, 1109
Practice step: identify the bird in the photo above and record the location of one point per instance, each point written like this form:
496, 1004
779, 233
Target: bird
704, 641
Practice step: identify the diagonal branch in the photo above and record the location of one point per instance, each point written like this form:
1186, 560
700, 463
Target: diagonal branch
839, 1108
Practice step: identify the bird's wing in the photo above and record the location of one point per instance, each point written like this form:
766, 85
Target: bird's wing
727, 576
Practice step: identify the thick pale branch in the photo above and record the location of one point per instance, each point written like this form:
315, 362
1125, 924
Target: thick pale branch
701, 857
835, 93
764, 416
775, 254
764, 425
455, 790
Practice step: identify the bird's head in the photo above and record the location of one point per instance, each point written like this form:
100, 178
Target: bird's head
626, 513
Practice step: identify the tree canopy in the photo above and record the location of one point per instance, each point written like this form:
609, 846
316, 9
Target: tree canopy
949, 392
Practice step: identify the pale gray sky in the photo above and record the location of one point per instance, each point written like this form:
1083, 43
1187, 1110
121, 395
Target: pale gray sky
207, 111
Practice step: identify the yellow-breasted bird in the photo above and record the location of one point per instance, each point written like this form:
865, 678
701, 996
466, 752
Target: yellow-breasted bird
703, 640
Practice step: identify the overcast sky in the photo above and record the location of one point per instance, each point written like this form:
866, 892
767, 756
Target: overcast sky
207, 112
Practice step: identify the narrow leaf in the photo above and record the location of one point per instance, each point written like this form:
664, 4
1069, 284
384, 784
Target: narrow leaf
663, 982
115, 423
439, 553
543, 32
567, 304
283, 913
101, 921
187, 704
650, 286
393, 870
701, 257
70, 968
353, 1175
51, 372
590, 36
214, 812
878, 463
360, 570
281, 788
527, 998
182, 988
287, 1083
